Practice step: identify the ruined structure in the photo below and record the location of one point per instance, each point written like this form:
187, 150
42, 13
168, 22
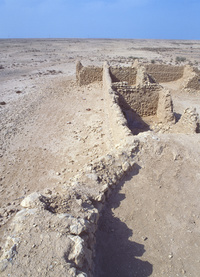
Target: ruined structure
131, 95
87, 75
191, 78
164, 73
138, 92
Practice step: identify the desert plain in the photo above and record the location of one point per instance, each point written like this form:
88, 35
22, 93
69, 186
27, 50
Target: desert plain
50, 128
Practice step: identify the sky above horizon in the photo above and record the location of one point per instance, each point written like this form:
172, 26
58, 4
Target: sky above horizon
151, 19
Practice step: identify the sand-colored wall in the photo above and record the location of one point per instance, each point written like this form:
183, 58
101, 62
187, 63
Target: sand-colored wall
191, 78
189, 122
88, 75
143, 100
194, 83
123, 74
164, 73
165, 112
117, 123
142, 77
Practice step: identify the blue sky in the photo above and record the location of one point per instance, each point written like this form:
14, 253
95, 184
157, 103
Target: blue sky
156, 19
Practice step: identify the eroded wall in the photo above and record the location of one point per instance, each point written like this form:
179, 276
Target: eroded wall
189, 122
118, 127
88, 75
165, 112
165, 73
191, 78
123, 74
143, 100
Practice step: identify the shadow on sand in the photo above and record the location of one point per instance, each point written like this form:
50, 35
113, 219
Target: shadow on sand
116, 255
135, 123
177, 116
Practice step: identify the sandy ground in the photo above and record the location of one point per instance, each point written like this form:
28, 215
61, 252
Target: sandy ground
150, 227
49, 128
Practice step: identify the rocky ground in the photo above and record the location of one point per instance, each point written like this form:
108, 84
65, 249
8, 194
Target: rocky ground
50, 128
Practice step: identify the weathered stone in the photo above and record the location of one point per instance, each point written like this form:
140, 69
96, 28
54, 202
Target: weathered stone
189, 122
104, 188
100, 197
77, 253
78, 227
72, 272
9, 251
93, 216
125, 166
3, 264
31, 201
92, 176
165, 107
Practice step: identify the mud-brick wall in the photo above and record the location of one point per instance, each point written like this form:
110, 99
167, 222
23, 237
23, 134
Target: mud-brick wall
88, 75
193, 80
194, 83
123, 74
143, 100
116, 121
164, 73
